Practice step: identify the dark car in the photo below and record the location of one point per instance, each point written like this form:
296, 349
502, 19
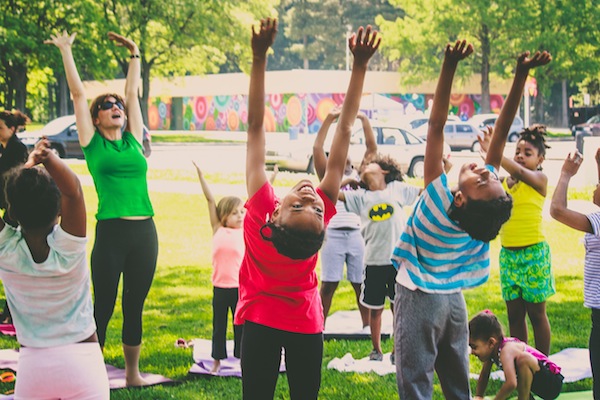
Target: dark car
64, 141
591, 127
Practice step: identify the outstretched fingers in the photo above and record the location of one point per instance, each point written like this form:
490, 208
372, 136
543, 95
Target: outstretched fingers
264, 37
364, 43
538, 59
461, 50
61, 39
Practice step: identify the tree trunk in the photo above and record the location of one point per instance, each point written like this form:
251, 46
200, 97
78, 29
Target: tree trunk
19, 81
564, 120
485, 70
305, 54
63, 96
145, 91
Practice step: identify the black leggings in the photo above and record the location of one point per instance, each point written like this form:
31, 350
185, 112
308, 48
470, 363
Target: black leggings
594, 347
224, 300
128, 247
261, 356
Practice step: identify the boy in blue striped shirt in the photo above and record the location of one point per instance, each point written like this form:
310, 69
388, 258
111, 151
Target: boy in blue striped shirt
445, 247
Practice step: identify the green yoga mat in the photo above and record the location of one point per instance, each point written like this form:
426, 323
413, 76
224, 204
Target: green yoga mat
576, 396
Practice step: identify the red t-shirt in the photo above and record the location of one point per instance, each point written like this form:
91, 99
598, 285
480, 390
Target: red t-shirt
275, 290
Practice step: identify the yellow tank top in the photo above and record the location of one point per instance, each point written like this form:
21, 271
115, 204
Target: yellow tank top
524, 227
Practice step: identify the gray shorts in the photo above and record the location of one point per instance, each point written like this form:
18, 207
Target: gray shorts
342, 246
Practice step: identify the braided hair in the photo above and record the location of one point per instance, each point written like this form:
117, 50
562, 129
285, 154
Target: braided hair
536, 135
293, 243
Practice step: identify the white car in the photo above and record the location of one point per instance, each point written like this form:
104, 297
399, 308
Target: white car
459, 135
483, 120
406, 148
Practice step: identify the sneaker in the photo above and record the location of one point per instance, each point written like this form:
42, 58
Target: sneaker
393, 358
375, 356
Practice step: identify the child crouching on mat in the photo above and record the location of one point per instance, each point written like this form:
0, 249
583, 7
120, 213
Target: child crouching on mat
526, 369
46, 278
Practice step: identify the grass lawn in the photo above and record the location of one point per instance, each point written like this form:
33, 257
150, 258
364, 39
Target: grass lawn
179, 305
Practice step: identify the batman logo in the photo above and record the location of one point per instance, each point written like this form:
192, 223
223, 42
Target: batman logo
381, 212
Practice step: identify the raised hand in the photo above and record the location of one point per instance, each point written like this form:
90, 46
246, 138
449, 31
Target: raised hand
597, 157
525, 63
572, 164
486, 139
363, 44
123, 41
40, 153
61, 40
264, 38
459, 51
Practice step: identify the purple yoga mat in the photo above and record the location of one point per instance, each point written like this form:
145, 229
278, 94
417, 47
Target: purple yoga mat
229, 366
9, 359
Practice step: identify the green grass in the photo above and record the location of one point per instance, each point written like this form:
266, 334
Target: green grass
179, 305
190, 138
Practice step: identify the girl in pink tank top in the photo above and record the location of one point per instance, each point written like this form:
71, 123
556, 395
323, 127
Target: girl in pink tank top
525, 369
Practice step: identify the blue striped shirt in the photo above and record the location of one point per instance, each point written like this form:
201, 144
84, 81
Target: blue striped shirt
437, 254
591, 266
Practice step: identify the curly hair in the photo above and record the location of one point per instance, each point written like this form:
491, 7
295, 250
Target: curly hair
389, 164
32, 196
485, 325
293, 243
95, 105
482, 219
226, 206
536, 135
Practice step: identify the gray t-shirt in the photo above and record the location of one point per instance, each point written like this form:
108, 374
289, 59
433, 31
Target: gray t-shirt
382, 218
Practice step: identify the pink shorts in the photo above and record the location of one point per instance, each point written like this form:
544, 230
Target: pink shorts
74, 371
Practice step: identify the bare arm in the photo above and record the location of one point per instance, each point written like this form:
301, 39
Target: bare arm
558, 207
255, 148
274, 174
370, 140
73, 216
511, 104
536, 179
319, 156
363, 45
210, 200
83, 118
132, 85
482, 382
434, 151
507, 357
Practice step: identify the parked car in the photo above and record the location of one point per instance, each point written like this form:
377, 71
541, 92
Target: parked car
415, 122
64, 140
399, 143
587, 126
458, 135
483, 120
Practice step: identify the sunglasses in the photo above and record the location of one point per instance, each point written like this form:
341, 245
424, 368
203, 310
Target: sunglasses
107, 105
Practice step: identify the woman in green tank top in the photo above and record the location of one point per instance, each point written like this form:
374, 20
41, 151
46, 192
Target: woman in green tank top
110, 133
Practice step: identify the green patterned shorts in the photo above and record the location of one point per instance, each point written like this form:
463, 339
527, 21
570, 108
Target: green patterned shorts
527, 273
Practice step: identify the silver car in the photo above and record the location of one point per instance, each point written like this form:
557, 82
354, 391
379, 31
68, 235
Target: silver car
405, 147
459, 135
483, 120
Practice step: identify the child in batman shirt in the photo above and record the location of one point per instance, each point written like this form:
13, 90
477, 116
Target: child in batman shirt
380, 207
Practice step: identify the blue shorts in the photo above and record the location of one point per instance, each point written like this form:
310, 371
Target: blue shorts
342, 246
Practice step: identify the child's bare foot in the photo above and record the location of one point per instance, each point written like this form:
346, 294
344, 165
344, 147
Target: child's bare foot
216, 367
136, 381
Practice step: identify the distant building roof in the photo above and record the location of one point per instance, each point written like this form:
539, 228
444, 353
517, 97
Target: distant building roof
294, 81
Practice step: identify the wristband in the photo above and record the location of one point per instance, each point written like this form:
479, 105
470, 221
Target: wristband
134, 56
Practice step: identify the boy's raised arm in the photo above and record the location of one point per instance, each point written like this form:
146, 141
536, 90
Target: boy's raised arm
434, 151
255, 149
363, 45
509, 109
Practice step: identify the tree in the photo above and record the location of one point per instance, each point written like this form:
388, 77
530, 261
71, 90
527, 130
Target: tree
185, 36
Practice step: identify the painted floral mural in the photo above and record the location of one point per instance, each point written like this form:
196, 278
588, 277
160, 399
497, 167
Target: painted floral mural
304, 112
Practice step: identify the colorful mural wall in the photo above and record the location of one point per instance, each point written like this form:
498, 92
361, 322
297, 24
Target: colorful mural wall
304, 112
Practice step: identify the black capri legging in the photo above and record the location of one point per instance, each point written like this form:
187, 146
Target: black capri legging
128, 247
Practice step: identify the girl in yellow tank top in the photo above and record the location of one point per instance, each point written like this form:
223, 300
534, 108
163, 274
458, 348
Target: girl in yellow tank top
525, 263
